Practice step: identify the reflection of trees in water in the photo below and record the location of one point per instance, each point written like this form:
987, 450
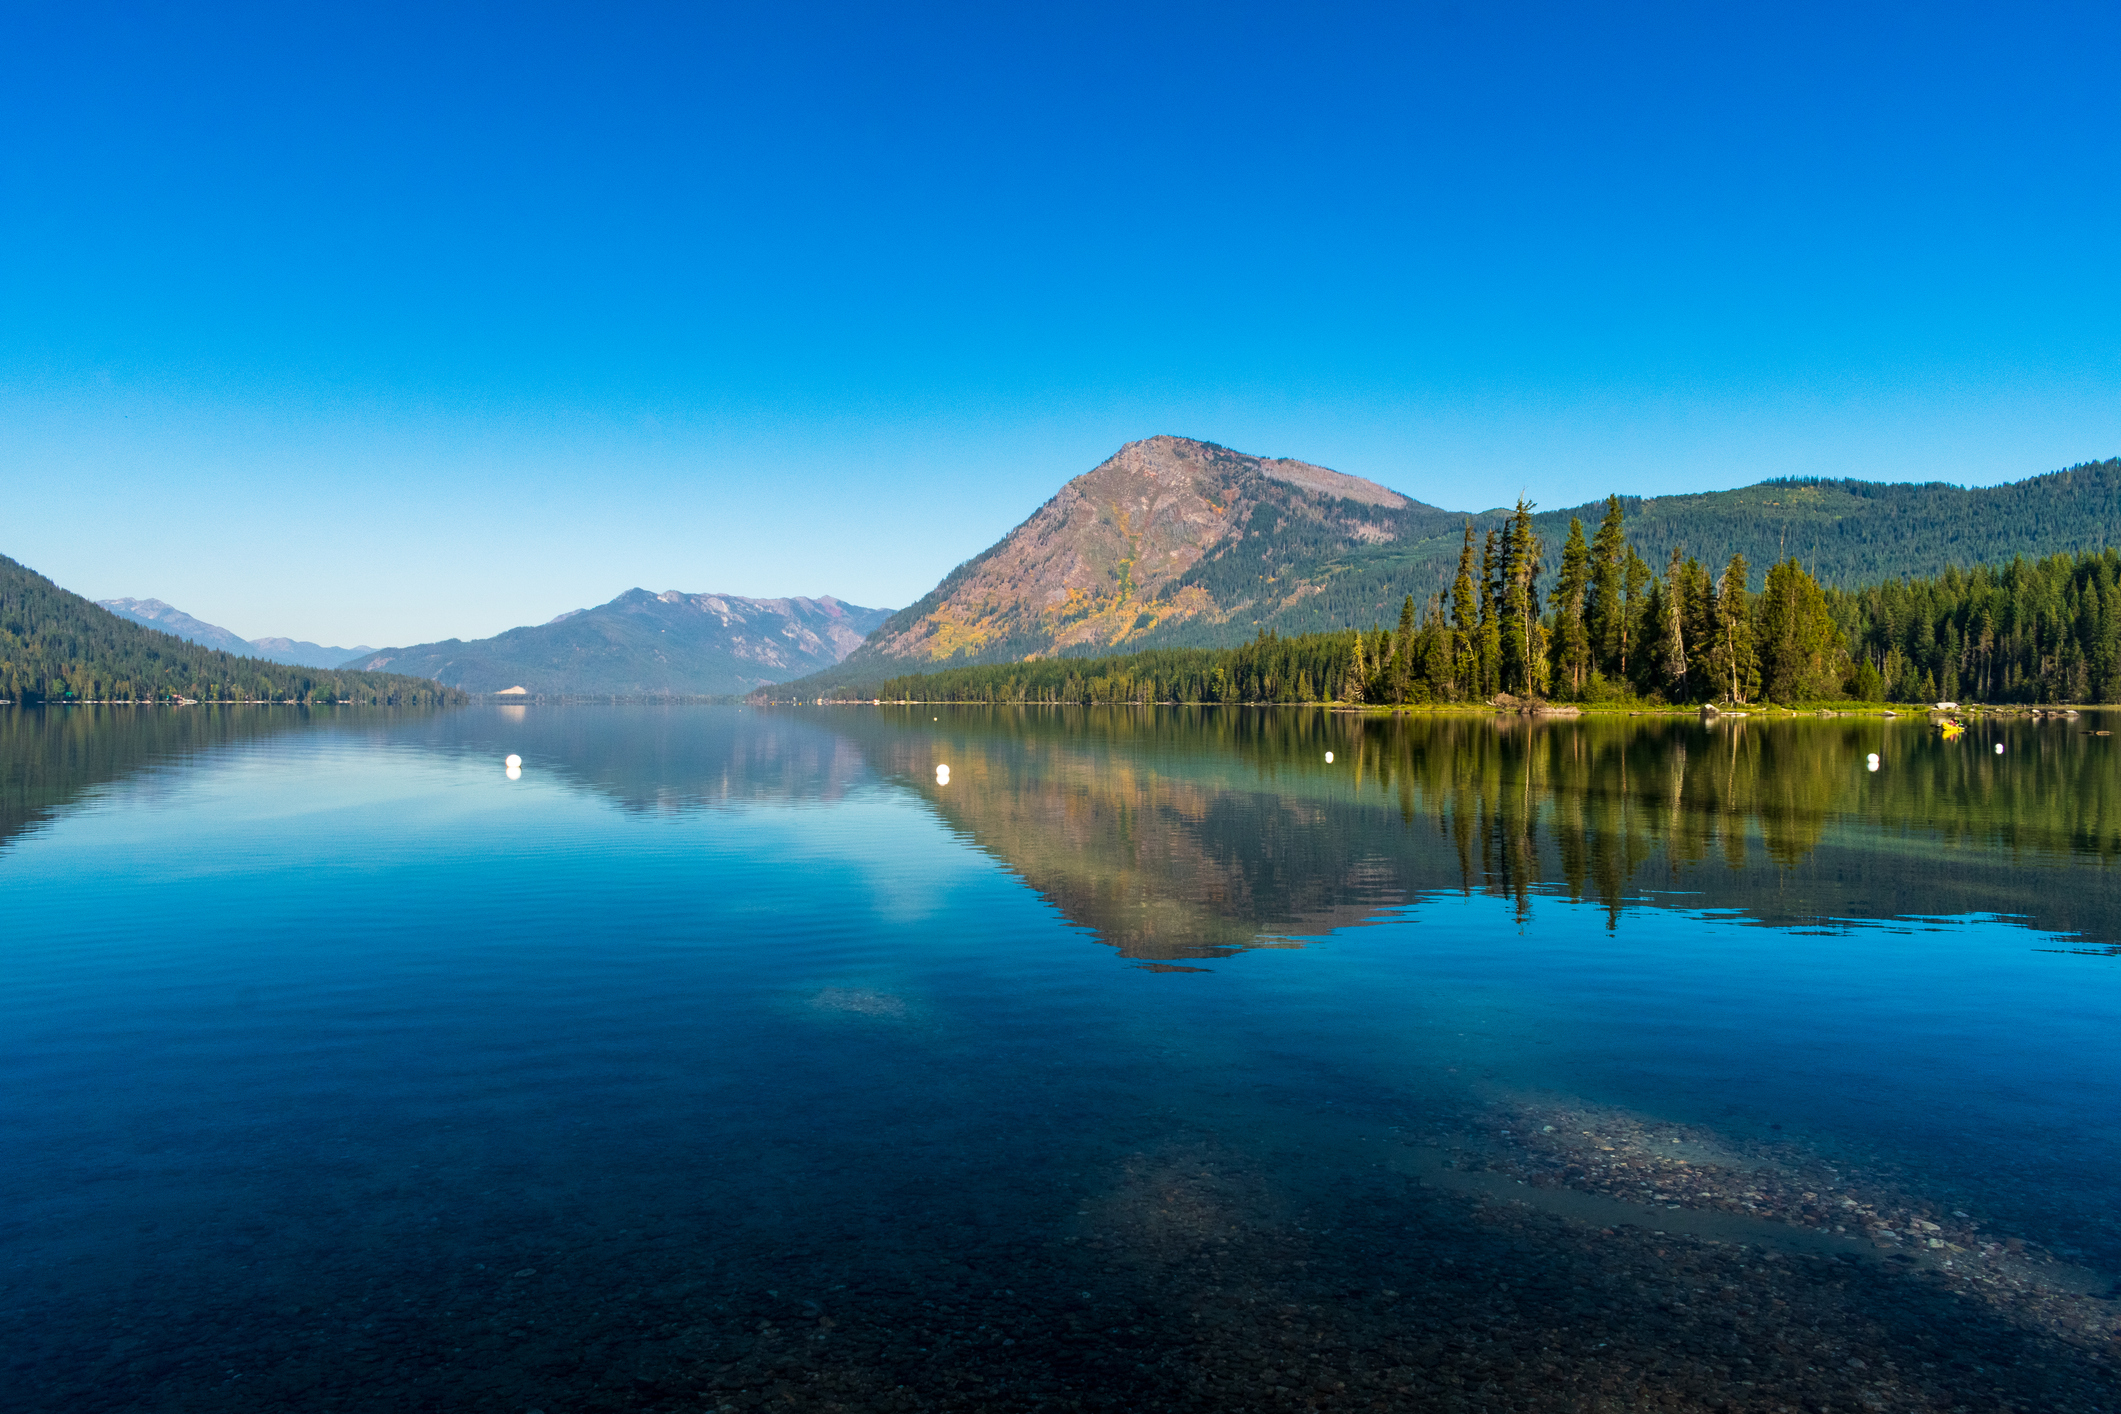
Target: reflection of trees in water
1608, 807
1590, 804
1190, 832
51, 757
1194, 832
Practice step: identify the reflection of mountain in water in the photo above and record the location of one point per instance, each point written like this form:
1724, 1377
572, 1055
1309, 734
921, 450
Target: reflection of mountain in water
1160, 831
658, 759
1179, 834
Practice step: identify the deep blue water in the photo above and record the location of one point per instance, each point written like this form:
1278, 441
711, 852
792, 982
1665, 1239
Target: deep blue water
316, 1033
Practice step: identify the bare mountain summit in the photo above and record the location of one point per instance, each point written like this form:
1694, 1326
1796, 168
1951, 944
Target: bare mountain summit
1169, 541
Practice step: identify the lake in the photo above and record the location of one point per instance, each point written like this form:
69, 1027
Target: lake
733, 1058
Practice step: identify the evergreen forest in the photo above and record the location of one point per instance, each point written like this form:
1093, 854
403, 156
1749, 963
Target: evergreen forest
1846, 533
1604, 625
56, 646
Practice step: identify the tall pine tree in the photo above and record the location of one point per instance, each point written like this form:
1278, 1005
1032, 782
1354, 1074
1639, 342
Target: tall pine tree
1465, 625
1607, 612
1572, 639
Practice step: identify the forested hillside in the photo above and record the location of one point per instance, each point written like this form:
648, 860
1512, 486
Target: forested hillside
1846, 534
1609, 627
2028, 631
56, 646
1851, 533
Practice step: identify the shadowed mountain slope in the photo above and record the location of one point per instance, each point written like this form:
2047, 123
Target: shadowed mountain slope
649, 645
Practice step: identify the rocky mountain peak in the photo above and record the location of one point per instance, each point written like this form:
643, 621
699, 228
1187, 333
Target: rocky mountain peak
1135, 547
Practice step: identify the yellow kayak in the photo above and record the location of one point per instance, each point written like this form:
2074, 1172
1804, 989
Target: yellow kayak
1952, 729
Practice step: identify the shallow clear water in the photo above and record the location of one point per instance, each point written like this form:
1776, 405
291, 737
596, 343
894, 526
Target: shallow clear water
727, 1057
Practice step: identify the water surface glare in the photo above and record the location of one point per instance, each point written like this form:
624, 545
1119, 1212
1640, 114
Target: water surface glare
732, 1058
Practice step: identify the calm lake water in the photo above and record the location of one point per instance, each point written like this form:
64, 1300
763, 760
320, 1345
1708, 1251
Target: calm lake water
731, 1059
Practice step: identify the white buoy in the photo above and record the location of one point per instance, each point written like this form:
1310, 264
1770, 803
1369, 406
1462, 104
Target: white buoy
942, 775
514, 762
1329, 758
1871, 761
1999, 748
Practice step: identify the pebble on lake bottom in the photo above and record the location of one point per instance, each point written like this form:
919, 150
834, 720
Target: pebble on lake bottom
1192, 1274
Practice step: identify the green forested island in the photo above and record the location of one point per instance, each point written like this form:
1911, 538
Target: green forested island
56, 646
1608, 627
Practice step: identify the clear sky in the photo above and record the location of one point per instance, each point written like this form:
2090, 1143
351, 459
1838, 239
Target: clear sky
361, 323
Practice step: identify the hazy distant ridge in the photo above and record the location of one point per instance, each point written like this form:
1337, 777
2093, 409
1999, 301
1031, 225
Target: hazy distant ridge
648, 645
153, 613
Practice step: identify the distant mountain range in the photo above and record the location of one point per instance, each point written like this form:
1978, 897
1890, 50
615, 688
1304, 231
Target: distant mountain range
643, 644
1174, 542
154, 614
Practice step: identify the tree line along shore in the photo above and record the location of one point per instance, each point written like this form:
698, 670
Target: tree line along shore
1610, 631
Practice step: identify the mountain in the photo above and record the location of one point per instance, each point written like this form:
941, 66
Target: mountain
154, 614
1169, 541
302, 652
648, 645
56, 646
1180, 543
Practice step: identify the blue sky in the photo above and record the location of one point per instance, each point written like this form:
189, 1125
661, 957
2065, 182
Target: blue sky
387, 324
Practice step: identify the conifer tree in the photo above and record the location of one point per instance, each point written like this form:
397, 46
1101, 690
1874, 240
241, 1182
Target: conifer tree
1403, 652
1738, 668
1572, 635
1435, 658
1636, 579
1607, 611
1490, 618
1465, 624
1674, 611
1801, 648
1699, 601
1523, 633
